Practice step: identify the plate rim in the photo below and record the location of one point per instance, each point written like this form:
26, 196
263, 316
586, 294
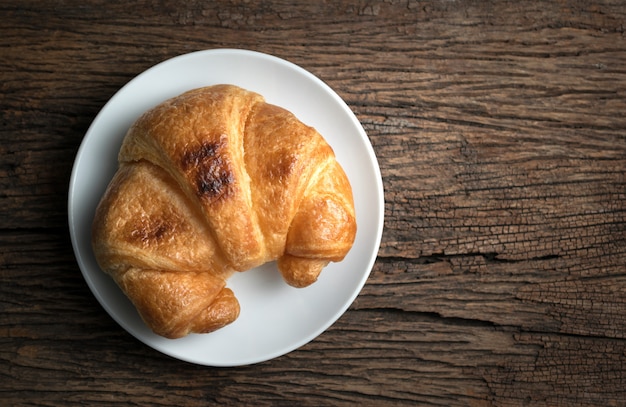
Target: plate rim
229, 52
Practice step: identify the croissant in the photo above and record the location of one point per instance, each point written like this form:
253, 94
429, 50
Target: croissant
209, 183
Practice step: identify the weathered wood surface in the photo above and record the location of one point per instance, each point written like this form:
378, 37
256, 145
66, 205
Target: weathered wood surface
500, 128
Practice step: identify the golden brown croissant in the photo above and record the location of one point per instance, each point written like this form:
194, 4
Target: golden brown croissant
212, 182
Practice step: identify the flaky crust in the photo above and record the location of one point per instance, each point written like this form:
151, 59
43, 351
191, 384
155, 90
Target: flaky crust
209, 183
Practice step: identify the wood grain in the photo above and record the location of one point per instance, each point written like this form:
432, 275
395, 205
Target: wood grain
499, 127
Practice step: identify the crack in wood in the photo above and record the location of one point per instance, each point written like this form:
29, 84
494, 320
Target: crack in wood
431, 317
489, 257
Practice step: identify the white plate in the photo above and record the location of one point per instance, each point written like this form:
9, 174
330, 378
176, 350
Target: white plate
275, 318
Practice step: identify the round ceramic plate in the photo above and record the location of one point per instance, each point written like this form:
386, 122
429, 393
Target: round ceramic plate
275, 318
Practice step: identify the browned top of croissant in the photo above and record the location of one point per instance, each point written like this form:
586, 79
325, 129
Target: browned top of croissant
211, 182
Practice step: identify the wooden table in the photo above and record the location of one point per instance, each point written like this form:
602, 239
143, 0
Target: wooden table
500, 129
